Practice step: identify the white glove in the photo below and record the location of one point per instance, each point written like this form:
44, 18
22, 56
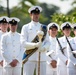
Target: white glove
32, 45
50, 53
74, 52
38, 44
44, 48
41, 49
75, 64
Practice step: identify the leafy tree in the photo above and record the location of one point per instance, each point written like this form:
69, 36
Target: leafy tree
61, 18
21, 11
48, 10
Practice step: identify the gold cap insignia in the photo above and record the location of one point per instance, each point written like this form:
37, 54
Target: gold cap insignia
4, 19
36, 9
13, 20
53, 25
67, 24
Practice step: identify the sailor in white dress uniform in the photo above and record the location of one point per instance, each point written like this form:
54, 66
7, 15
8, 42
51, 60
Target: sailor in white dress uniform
72, 54
62, 54
12, 49
4, 26
51, 67
28, 33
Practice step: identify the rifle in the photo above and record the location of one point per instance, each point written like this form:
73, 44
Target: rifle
30, 52
70, 46
60, 46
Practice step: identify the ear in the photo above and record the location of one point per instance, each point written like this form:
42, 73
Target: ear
30, 14
48, 31
17, 25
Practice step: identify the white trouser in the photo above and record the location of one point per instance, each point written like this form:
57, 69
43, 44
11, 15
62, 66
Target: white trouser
12, 71
61, 70
31, 66
1, 70
50, 70
71, 70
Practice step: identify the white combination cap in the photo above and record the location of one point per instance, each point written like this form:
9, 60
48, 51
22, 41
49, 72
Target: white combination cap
13, 20
66, 25
53, 24
74, 26
4, 19
35, 9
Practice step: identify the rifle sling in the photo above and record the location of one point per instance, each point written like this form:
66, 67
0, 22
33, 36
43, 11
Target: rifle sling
60, 46
70, 46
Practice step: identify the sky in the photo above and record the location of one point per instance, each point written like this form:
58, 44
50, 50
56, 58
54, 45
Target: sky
65, 6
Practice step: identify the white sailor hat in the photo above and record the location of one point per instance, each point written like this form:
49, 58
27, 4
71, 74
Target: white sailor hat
4, 19
74, 26
14, 20
53, 25
66, 25
35, 9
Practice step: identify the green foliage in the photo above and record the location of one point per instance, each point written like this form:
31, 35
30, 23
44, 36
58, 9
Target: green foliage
48, 10
21, 11
35, 71
49, 14
61, 18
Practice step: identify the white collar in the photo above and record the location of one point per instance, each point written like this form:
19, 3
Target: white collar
3, 32
34, 23
52, 37
12, 32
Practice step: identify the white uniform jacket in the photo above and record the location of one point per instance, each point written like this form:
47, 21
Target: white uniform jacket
11, 48
28, 33
52, 50
62, 58
71, 58
1, 33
